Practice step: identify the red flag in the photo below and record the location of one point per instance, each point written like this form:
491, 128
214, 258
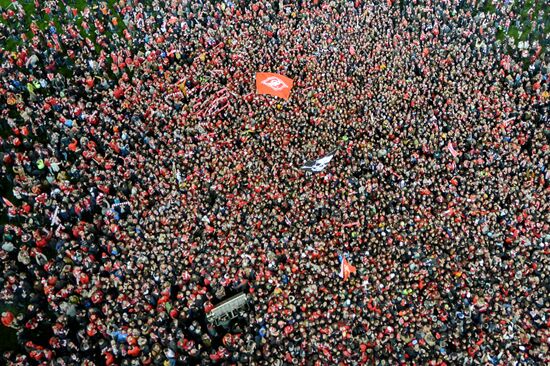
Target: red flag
8, 202
346, 268
273, 84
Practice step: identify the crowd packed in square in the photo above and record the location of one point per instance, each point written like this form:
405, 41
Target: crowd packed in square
144, 181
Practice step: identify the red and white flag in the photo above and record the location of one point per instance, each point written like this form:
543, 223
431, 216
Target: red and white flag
453, 152
288, 222
350, 224
273, 84
346, 269
7, 202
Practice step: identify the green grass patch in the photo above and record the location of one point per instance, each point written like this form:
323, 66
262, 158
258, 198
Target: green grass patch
43, 20
489, 7
526, 32
500, 36
524, 11
513, 32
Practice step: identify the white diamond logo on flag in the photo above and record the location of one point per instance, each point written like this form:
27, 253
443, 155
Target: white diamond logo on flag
275, 83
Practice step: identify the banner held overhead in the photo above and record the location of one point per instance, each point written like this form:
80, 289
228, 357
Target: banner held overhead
273, 84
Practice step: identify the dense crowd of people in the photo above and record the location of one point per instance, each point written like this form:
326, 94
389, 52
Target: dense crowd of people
144, 181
